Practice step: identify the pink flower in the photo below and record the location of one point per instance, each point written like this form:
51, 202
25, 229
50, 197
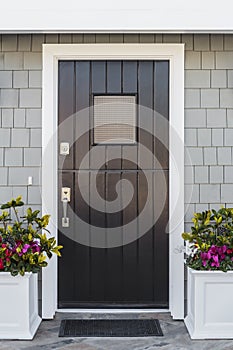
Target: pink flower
1, 264
35, 247
8, 252
214, 255
25, 248
224, 248
215, 261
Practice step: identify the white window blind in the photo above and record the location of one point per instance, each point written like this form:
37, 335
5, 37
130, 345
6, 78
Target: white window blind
114, 119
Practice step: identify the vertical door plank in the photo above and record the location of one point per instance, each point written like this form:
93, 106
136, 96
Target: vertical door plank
145, 101
66, 239
98, 77
114, 255
82, 120
82, 252
97, 255
129, 85
129, 76
130, 250
161, 106
129, 157
161, 81
65, 110
113, 157
161, 239
145, 243
98, 157
114, 77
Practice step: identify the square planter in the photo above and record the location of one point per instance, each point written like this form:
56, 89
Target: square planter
19, 306
210, 306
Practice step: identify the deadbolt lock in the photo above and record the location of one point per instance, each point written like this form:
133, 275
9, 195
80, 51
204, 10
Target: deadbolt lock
64, 148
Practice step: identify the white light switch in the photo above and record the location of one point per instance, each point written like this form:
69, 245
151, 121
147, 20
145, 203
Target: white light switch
64, 148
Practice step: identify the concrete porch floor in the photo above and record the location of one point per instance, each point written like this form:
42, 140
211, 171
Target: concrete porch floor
175, 337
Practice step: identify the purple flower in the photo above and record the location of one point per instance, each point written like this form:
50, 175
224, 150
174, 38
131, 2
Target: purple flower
25, 248
35, 247
213, 249
224, 248
214, 255
215, 263
205, 257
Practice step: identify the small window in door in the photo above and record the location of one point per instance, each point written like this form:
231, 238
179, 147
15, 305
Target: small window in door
114, 119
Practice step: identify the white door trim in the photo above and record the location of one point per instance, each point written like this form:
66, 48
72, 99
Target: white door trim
52, 53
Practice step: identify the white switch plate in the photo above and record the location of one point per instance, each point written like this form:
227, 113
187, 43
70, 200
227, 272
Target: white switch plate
64, 148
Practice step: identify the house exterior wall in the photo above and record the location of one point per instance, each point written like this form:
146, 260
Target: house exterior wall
208, 113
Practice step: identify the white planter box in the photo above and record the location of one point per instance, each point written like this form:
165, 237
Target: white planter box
18, 306
210, 304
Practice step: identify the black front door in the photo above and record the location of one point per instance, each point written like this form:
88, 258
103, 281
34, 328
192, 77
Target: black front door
114, 181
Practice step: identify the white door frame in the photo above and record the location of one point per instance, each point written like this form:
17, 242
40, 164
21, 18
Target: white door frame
52, 53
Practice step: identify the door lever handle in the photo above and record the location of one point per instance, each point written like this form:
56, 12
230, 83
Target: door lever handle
65, 198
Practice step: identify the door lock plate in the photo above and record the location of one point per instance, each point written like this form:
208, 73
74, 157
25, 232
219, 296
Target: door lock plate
64, 148
65, 194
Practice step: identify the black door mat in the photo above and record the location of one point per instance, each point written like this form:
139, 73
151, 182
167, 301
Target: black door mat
110, 328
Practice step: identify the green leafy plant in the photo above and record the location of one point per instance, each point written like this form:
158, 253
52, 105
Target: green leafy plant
24, 246
211, 240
